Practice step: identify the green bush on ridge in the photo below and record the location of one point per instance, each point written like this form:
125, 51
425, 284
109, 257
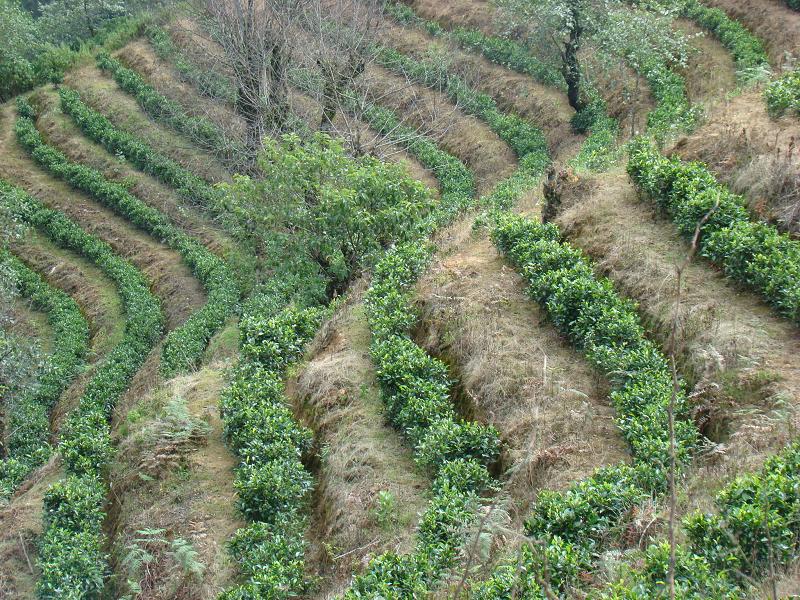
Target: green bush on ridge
199, 129
27, 443
783, 94
753, 253
184, 346
71, 552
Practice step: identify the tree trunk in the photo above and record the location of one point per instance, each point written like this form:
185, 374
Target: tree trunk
571, 68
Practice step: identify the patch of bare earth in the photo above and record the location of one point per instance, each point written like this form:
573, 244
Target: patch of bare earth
173, 475
468, 138
514, 370
740, 357
771, 20
369, 491
172, 281
753, 154
103, 94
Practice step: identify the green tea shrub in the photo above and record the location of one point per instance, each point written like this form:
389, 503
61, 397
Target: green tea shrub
753, 253
28, 424
71, 548
200, 129
783, 94
184, 346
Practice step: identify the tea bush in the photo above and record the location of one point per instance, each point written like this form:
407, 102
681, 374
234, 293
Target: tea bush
752, 253
607, 329
199, 129
184, 346
783, 94
525, 139
71, 548
27, 417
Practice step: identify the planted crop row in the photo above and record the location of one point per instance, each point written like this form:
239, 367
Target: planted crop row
28, 424
752, 253
415, 389
161, 108
597, 151
71, 553
272, 483
207, 82
783, 94
746, 49
101, 130
184, 346
527, 141
606, 328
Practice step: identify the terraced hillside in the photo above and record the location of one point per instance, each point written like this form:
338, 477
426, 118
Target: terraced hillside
349, 299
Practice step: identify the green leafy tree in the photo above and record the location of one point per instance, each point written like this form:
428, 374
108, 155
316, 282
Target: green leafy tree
70, 21
18, 35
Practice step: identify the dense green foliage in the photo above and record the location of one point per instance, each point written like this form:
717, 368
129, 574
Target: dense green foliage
38, 51
416, 391
184, 345
783, 94
795, 4
71, 548
746, 49
581, 519
199, 129
752, 253
27, 416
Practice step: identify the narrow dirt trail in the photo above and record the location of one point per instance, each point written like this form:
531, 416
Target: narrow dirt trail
773, 21
545, 106
172, 281
187, 490
61, 132
103, 94
515, 370
742, 357
369, 491
710, 72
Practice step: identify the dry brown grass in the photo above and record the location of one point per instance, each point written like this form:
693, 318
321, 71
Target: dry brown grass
361, 455
514, 370
754, 154
173, 472
710, 72
740, 357
771, 20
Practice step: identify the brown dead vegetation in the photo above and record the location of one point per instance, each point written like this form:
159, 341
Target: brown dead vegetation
514, 370
369, 491
740, 357
468, 138
103, 94
771, 20
173, 473
754, 154
545, 106
172, 281
710, 72
20, 527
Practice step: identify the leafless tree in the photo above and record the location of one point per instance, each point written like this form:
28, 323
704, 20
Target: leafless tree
256, 37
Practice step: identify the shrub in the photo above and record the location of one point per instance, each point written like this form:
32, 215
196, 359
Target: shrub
752, 253
184, 346
783, 94
199, 129
71, 556
28, 425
